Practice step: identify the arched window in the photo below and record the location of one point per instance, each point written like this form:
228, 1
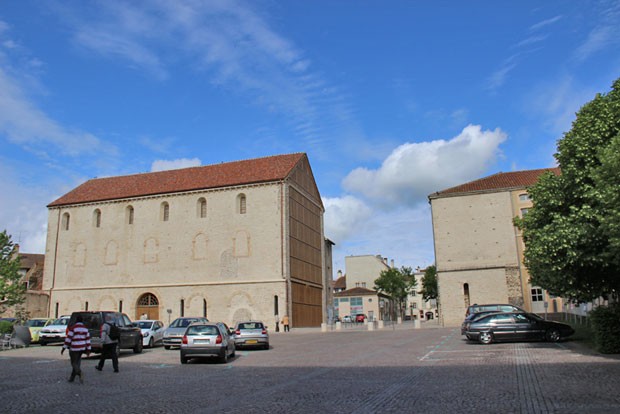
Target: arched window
129, 214
97, 218
65, 221
165, 211
241, 204
202, 207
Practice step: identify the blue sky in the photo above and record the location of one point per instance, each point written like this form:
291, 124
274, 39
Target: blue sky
390, 100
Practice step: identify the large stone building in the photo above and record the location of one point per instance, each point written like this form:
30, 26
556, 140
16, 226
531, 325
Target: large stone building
479, 251
229, 241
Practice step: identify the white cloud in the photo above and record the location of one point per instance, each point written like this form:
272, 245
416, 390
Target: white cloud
344, 216
414, 170
24, 124
163, 165
545, 23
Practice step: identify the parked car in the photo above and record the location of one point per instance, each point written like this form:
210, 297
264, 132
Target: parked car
152, 331
515, 326
207, 339
360, 317
55, 332
251, 333
35, 325
131, 336
502, 307
174, 333
471, 317
347, 319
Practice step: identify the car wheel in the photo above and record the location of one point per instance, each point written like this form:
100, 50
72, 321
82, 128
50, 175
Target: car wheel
183, 359
267, 345
151, 343
224, 358
43, 343
138, 348
166, 346
485, 337
118, 349
553, 335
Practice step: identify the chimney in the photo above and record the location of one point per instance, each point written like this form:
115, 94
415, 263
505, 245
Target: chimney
392, 263
385, 260
339, 273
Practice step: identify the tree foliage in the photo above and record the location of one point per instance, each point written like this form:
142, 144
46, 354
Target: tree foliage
572, 235
429, 284
397, 283
12, 292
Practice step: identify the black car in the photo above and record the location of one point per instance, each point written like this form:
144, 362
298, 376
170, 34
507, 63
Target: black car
492, 307
471, 317
516, 326
131, 336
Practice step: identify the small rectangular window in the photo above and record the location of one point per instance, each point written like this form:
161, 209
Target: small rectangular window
524, 197
537, 295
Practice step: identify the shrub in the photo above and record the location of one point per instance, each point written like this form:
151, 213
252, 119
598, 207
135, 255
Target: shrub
6, 327
606, 326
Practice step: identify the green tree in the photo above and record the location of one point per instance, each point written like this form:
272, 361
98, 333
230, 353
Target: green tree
572, 234
398, 284
12, 292
429, 284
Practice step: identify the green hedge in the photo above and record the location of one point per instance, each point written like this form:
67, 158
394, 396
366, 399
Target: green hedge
606, 326
6, 327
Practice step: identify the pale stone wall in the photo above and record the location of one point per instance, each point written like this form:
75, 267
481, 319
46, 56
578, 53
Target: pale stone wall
475, 244
485, 286
234, 261
363, 269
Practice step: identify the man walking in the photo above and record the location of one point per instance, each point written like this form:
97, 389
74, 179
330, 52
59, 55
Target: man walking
109, 345
77, 342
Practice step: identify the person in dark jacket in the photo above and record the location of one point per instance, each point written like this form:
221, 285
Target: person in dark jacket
78, 343
108, 344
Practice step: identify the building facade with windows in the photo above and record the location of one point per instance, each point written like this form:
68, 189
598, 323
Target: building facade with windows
479, 251
230, 241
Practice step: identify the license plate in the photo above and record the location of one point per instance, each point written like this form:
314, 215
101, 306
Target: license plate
251, 341
202, 341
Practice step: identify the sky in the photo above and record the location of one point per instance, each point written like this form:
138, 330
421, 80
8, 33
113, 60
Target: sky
391, 101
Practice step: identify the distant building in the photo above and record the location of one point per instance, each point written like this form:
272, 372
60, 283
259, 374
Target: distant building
479, 251
231, 241
31, 272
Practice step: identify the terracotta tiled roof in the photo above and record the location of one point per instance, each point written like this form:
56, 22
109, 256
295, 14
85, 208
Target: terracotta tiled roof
258, 170
341, 283
499, 181
358, 291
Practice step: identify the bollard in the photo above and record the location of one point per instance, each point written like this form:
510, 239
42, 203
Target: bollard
338, 325
371, 326
380, 324
399, 320
323, 327
416, 324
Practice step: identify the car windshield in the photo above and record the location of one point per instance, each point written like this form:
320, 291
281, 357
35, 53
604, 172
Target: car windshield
202, 330
143, 324
251, 325
182, 322
61, 321
36, 323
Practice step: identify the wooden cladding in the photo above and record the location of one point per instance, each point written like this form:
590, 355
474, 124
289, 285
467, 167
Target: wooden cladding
307, 305
305, 239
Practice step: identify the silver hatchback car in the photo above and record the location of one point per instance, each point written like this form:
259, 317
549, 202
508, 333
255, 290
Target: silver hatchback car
207, 339
174, 332
251, 333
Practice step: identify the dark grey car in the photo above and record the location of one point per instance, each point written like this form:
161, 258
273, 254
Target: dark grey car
516, 326
207, 339
131, 336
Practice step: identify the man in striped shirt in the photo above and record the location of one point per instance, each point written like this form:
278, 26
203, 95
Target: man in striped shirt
77, 342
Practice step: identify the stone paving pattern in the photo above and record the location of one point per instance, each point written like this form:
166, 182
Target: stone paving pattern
400, 370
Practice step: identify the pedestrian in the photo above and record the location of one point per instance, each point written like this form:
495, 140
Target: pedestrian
108, 345
285, 323
77, 342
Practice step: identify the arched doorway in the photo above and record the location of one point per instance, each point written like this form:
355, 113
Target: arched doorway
148, 305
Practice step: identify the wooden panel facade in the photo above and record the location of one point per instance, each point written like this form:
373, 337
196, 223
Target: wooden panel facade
307, 306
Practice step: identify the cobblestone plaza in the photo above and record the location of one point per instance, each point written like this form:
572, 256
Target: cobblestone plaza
400, 370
